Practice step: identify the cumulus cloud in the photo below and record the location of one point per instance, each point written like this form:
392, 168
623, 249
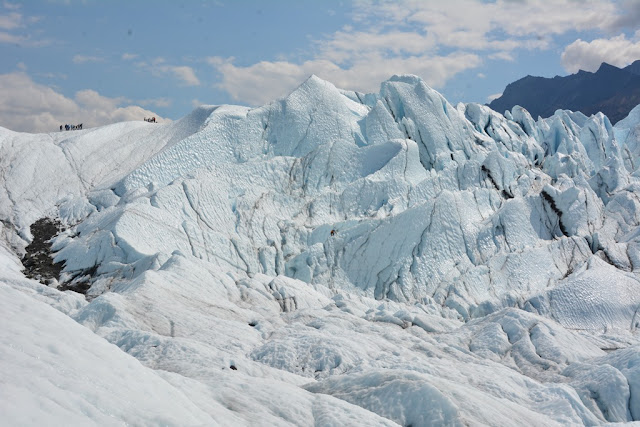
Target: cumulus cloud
433, 39
628, 17
518, 18
265, 81
505, 56
344, 45
14, 27
159, 67
494, 96
27, 106
498, 25
183, 73
618, 51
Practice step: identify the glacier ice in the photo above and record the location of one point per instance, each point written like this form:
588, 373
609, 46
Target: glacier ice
332, 258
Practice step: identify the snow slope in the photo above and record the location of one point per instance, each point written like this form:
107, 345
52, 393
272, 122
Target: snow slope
329, 258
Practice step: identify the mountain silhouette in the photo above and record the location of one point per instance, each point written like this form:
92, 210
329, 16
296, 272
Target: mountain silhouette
611, 90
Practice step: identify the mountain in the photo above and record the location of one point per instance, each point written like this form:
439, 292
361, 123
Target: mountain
330, 258
610, 90
633, 68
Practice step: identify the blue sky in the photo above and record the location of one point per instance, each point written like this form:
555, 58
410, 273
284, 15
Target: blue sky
99, 62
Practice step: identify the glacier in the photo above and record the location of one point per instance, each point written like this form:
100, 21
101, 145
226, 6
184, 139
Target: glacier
330, 258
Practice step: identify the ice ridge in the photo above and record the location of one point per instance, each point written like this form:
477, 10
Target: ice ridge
366, 252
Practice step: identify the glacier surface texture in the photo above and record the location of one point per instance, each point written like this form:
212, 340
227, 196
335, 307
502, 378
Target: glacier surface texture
330, 258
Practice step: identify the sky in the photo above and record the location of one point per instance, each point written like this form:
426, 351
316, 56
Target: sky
98, 62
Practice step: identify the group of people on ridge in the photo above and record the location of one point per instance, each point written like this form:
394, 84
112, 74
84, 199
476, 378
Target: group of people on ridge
71, 127
79, 127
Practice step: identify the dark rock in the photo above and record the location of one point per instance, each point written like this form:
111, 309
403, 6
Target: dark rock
38, 262
613, 91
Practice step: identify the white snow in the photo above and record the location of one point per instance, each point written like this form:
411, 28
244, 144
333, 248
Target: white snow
330, 258
56, 372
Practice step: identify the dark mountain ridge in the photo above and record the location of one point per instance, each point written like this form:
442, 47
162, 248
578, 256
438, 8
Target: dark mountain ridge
611, 90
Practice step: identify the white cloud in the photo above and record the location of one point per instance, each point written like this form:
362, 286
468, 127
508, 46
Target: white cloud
81, 59
433, 39
14, 27
422, 37
21, 66
265, 81
216, 61
504, 56
186, 74
93, 99
628, 17
11, 21
11, 6
514, 18
618, 51
8, 38
129, 56
494, 96
27, 106
22, 41
481, 75
159, 67
500, 25
345, 45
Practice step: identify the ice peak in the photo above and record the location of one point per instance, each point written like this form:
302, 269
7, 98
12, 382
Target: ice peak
322, 245
406, 78
313, 78
315, 84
